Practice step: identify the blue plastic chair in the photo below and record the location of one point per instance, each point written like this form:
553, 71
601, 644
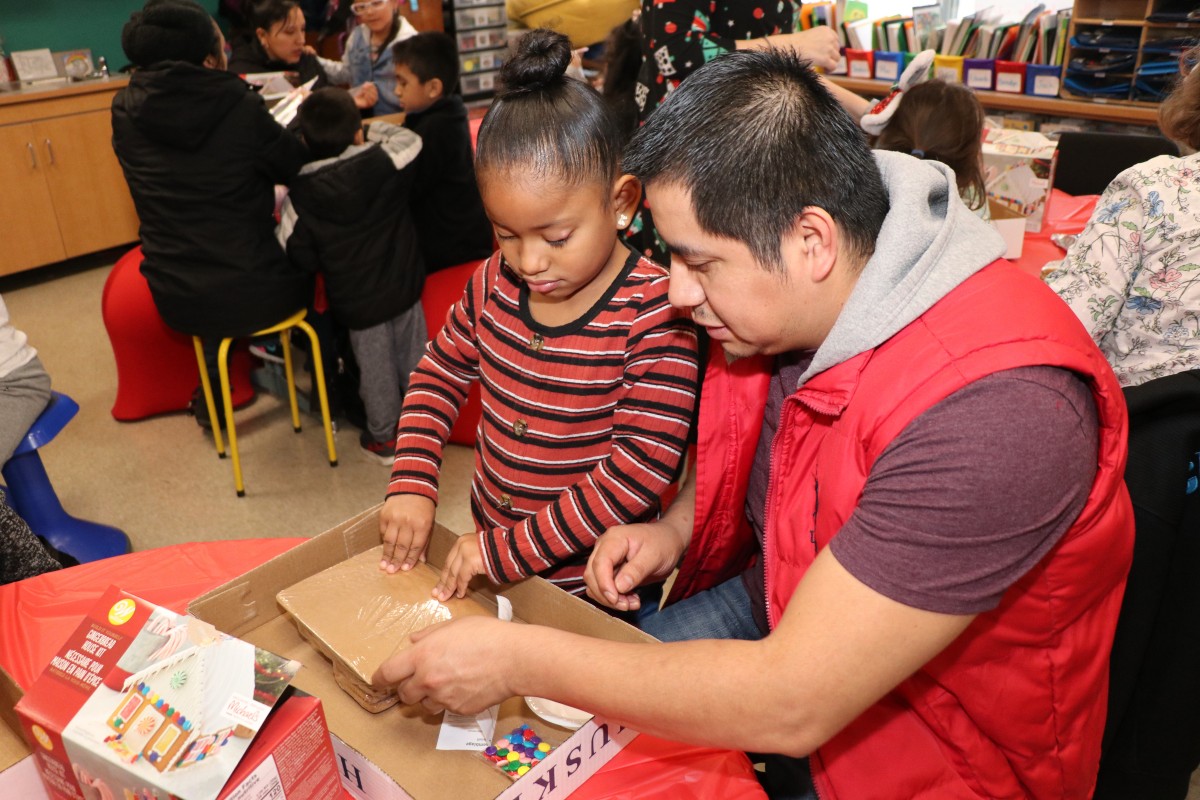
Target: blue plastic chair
31, 494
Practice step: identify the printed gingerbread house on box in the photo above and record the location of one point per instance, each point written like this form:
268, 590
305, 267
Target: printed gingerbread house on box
143, 703
155, 719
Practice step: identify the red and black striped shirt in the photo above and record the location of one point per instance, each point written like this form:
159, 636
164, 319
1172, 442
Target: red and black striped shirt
584, 425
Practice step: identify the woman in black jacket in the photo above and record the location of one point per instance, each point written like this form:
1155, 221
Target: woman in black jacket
274, 42
202, 156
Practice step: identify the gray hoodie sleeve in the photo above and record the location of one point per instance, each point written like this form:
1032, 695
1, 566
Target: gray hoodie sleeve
400, 143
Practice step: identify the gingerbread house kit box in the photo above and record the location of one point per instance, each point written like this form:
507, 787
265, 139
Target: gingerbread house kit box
141, 702
1018, 171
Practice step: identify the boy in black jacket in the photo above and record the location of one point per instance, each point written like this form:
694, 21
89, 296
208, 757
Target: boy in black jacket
347, 215
451, 224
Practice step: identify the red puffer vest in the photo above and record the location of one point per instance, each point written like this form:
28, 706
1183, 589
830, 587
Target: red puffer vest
1015, 706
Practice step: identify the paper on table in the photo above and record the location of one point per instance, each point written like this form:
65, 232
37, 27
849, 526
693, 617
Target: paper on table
285, 110
464, 732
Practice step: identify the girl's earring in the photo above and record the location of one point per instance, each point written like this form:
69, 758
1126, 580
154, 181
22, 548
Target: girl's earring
622, 221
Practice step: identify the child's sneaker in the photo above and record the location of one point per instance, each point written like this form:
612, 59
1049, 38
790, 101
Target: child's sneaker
269, 351
383, 452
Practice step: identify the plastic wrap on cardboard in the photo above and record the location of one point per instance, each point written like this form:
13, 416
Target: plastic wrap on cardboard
357, 615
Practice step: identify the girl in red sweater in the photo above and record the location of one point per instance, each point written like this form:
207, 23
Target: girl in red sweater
588, 377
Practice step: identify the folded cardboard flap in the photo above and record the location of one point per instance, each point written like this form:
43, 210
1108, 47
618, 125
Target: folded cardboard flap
12, 743
401, 741
249, 600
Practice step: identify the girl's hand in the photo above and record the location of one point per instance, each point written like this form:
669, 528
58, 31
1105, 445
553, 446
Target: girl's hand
310, 50
464, 562
404, 526
365, 96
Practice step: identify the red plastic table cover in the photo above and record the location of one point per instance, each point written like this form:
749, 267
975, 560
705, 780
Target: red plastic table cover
1064, 214
38, 614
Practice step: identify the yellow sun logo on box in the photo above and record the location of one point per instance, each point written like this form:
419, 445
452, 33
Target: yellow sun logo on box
42, 738
121, 611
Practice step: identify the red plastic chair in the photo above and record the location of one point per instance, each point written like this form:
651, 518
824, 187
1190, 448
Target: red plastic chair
156, 366
442, 290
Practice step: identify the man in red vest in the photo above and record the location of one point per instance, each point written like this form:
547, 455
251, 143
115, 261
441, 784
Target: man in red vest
904, 548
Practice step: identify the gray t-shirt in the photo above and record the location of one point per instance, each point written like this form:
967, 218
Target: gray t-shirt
967, 498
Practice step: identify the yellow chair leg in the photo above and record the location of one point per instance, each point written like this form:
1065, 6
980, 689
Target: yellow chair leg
319, 377
208, 396
289, 371
227, 397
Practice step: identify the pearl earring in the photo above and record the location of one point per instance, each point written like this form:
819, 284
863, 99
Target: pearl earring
622, 221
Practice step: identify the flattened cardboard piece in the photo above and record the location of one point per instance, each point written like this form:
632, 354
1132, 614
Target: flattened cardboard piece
357, 615
145, 701
12, 745
392, 755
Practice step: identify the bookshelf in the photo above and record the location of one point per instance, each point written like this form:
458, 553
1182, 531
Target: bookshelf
1136, 114
1125, 48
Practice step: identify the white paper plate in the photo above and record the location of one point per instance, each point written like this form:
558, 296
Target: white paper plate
557, 713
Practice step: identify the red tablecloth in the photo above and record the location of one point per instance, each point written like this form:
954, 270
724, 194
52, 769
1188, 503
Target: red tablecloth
37, 615
1064, 214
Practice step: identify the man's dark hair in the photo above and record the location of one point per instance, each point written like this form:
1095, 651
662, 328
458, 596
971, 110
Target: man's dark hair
754, 138
169, 30
328, 121
429, 55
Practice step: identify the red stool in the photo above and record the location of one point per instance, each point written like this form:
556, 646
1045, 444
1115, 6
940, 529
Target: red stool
156, 366
442, 290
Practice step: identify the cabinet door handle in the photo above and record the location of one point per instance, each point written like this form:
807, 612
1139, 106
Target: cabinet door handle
50, 151
32, 156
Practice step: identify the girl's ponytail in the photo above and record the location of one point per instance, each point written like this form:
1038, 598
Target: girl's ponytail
541, 60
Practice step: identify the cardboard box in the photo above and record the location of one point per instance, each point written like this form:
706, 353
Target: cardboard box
1018, 171
1011, 226
142, 702
290, 759
392, 754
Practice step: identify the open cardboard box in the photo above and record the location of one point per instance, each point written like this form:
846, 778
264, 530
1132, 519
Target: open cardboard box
392, 754
1011, 225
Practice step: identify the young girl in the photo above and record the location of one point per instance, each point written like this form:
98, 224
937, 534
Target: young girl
587, 375
942, 122
930, 120
368, 54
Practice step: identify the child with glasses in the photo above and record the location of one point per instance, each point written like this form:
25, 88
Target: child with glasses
368, 55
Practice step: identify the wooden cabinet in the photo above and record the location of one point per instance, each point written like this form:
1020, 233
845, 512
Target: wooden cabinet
62, 193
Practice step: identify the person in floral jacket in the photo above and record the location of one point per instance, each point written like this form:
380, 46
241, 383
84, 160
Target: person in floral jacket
1133, 275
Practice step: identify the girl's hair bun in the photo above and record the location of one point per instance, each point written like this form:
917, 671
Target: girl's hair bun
541, 60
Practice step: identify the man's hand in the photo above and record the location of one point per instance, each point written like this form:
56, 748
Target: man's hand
460, 665
627, 556
464, 562
404, 526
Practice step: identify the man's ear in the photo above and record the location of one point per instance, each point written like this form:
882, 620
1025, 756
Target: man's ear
810, 248
626, 194
434, 88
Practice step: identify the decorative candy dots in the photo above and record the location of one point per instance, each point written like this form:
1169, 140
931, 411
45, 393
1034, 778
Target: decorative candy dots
517, 752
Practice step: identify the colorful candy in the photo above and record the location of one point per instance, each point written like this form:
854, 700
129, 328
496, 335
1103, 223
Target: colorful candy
518, 752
